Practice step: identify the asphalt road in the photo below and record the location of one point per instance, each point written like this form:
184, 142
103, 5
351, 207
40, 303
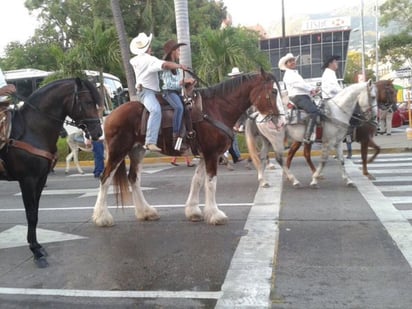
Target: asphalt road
176, 263
283, 247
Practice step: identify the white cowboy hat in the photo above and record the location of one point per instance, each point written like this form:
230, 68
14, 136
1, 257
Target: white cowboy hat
235, 71
140, 44
284, 59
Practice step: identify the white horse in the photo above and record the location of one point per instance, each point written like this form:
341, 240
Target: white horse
335, 123
75, 141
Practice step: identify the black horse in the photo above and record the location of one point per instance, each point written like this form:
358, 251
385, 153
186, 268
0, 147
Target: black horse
31, 150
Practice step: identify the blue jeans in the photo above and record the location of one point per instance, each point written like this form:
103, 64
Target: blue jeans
98, 153
176, 102
148, 98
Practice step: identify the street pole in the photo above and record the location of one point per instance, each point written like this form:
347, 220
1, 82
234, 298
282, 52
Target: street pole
363, 44
377, 40
283, 30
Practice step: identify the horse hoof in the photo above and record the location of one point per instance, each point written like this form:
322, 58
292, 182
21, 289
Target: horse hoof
265, 185
43, 251
196, 218
149, 217
314, 186
370, 177
350, 184
41, 262
296, 184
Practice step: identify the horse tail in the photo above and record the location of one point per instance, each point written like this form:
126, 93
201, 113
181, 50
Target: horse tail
121, 185
251, 132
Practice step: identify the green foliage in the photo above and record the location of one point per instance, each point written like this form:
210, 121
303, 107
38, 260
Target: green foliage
399, 11
398, 47
218, 51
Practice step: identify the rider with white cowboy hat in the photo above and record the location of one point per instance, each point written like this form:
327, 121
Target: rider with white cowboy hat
235, 71
146, 68
300, 92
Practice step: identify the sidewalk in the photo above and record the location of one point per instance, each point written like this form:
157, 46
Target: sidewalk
397, 142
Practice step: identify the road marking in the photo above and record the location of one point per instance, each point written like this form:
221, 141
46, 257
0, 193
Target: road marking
83, 192
392, 219
112, 294
122, 207
248, 279
15, 236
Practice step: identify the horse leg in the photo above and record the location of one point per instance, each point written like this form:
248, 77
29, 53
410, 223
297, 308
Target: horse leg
364, 155
69, 157
212, 213
292, 151
76, 159
307, 149
345, 175
192, 209
324, 158
143, 210
265, 150
31, 192
250, 134
101, 215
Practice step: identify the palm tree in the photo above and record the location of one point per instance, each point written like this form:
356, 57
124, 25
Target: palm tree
124, 47
183, 31
97, 48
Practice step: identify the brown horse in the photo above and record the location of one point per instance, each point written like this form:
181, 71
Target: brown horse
364, 132
212, 122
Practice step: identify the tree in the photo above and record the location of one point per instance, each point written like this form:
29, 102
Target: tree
399, 11
183, 31
124, 47
217, 51
97, 48
397, 47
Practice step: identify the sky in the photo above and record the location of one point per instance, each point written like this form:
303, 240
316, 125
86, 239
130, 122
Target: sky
18, 25
265, 12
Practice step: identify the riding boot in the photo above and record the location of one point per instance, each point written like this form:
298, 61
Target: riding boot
349, 147
2, 168
309, 130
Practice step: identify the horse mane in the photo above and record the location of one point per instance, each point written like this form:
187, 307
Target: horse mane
226, 86
84, 83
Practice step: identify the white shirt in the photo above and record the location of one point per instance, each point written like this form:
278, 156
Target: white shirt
145, 68
295, 83
2, 84
330, 84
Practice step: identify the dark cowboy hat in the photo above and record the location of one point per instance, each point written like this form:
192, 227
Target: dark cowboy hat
329, 60
170, 46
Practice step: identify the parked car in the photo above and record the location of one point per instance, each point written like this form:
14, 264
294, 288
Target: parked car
401, 115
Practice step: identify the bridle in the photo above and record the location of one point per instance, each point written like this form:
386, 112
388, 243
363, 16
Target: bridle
81, 124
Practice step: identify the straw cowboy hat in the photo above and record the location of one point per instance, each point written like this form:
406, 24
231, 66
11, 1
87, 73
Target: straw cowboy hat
141, 43
235, 71
170, 46
329, 61
284, 59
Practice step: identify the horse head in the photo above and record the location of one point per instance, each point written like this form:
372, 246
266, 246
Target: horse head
386, 94
84, 108
367, 101
264, 96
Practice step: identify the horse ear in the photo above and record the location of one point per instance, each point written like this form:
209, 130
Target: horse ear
78, 82
262, 71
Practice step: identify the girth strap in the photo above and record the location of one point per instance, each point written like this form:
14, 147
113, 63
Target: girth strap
220, 125
33, 150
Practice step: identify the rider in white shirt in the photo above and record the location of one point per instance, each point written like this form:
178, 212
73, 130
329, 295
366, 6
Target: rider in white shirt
330, 88
330, 84
300, 92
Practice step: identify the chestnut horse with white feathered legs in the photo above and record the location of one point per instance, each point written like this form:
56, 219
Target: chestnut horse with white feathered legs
212, 122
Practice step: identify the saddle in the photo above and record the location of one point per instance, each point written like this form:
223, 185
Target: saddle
192, 114
5, 123
5, 129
